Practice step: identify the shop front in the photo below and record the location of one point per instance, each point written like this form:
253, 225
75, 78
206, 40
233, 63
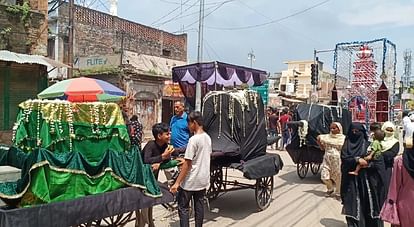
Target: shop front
171, 93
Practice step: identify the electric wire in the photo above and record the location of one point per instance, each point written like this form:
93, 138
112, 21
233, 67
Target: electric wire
169, 13
272, 21
179, 16
301, 35
206, 15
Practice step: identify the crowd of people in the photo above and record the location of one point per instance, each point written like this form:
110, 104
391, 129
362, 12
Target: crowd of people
182, 143
362, 169
367, 174
277, 126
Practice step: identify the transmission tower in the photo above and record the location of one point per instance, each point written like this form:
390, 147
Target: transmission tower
406, 78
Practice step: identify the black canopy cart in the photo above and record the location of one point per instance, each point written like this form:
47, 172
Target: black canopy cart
235, 121
115, 208
309, 121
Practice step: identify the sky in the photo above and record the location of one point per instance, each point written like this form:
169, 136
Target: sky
292, 30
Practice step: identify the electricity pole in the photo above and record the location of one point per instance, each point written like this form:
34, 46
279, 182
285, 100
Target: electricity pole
70, 44
251, 57
199, 54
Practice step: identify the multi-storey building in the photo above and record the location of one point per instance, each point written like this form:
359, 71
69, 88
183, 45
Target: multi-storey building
133, 56
296, 80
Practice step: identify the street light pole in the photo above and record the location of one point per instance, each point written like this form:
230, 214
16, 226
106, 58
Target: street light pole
199, 54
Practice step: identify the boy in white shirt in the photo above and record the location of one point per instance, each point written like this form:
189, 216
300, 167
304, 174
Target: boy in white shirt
194, 177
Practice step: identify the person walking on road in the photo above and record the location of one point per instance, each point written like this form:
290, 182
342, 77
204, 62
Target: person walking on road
194, 177
331, 165
284, 119
273, 125
178, 124
390, 148
399, 205
361, 195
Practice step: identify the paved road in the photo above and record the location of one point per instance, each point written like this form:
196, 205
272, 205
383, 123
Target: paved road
295, 203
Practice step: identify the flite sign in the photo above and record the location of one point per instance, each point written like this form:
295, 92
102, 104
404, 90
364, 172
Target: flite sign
104, 61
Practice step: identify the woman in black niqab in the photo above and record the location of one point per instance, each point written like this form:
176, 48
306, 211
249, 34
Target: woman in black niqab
362, 196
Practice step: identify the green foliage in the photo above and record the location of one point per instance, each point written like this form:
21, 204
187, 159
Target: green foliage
5, 31
23, 11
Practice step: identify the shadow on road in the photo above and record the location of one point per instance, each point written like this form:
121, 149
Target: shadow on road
330, 222
292, 177
236, 205
317, 193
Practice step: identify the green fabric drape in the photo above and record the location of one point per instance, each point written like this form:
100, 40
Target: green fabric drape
50, 176
48, 122
69, 150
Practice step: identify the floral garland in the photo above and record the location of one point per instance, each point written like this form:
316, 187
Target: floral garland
220, 102
52, 119
231, 114
303, 132
39, 112
69, 115
54, 115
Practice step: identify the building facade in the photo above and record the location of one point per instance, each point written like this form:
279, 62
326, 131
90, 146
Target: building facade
299, 73
23, 33
23, 26
135, 57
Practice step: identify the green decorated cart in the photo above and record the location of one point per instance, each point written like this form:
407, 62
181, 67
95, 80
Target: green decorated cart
74, 154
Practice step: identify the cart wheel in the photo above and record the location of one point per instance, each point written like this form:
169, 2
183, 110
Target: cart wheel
315, 168
302, 169
263, 192
216, 182
117, 220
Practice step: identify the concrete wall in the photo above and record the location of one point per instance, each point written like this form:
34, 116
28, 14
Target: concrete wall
28, 37
6, 137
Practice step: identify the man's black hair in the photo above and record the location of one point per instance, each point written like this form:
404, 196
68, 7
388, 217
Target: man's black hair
405, 113
134, 118
159, 128
197, 117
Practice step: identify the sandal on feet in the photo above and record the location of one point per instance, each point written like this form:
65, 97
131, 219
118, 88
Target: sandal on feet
329, 192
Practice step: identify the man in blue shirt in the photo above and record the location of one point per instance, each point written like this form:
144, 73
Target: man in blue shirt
179, 128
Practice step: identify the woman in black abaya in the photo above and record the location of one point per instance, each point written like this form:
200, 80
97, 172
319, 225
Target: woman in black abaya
362, 196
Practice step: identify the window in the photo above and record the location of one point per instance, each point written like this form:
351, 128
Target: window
166, 52
51, 48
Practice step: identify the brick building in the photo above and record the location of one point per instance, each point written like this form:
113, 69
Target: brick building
23, 37
23, 32
135, 57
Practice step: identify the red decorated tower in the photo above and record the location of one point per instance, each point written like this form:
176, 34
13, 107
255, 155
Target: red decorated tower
364, 85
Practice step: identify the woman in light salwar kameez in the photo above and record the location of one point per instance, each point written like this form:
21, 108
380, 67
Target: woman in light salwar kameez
331, 165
